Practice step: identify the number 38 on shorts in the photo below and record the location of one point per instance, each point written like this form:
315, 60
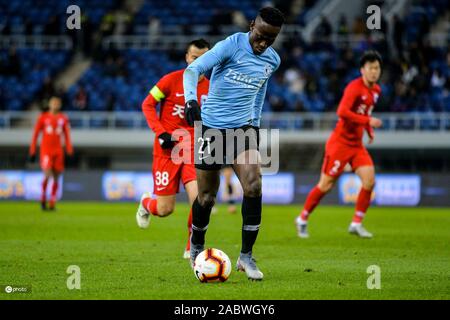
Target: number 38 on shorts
168, 175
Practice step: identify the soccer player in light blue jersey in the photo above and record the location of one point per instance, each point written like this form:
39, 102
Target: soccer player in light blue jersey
241, 66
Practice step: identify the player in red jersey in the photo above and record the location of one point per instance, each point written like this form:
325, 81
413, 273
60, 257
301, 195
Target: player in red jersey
345, 147
53, 125
167, 173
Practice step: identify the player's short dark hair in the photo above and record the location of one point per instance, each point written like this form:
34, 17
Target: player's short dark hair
198, 43
272, 16
370, 56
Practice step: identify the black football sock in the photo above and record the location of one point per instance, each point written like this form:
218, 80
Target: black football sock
200, 221
251, 219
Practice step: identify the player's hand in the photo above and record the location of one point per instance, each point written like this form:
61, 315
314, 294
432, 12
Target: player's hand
375, 122
165, 140
69, 156
192, 112
32, 158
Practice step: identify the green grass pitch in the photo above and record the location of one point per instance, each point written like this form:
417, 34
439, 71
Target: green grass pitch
120, 261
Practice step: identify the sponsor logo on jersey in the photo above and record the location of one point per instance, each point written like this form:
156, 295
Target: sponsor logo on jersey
243, 80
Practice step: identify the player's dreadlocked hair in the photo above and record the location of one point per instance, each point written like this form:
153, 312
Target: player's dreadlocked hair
199, 43
370, 56
272, 16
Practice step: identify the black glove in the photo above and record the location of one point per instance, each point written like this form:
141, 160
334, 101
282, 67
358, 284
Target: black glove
69, 156
32, 158
192, 112
165, 140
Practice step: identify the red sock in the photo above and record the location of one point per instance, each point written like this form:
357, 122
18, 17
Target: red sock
44, 189
151, 205
362, 204
313, 199
189, 225
54, 191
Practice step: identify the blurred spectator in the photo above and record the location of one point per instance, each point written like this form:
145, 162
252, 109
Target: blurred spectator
28, 26
2, 99
52, 27
294, 80
359, 27
81, 99
6, 28
323, 30
239, 20
107, 25
399, 103
397, 35
47, 91
154, 27
87, 35
110, 102
342, 28
12, 66
122, 22
409, 74
219, 18
110, 68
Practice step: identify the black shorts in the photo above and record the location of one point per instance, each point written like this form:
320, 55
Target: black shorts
216, 148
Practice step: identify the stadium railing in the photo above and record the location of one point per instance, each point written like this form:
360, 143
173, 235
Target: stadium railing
287, 121
125, 130
36, 42
179, 41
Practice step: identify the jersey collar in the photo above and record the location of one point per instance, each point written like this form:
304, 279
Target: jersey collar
248, 46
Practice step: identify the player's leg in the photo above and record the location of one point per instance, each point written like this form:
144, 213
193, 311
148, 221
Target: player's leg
166, 181
208, 184
54, 191
228, 176
189, 179
367, 175
335, 159
249, 175
47, 177
46, 167
325, 184
57, 163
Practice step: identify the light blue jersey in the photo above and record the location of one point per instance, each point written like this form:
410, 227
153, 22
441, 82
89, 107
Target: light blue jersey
238, 82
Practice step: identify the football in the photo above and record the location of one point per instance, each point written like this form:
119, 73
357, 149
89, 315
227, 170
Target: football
212, 265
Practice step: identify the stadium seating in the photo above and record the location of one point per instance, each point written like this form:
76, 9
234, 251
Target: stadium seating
18, 13
36, 66
114, 86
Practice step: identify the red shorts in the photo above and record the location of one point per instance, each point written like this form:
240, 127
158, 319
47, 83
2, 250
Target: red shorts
167, 175
52, 161
338, 155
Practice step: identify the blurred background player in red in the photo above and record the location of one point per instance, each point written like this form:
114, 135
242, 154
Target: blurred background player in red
53, 124
168, 92
345, 145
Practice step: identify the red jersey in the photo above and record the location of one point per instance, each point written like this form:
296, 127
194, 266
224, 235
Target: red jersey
53, 126
170, 93
354, 112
